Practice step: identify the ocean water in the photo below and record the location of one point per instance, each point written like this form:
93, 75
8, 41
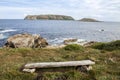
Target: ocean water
57, 31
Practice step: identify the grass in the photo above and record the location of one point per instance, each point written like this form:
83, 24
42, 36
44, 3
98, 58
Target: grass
114, 45
74, 47
107, 65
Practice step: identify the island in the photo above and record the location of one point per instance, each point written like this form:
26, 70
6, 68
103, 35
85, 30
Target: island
88, 20
48, 17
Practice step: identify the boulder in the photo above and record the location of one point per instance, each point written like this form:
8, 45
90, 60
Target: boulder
70, 41
89, 43
26, 40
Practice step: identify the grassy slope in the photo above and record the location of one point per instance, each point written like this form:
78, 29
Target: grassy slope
107, 65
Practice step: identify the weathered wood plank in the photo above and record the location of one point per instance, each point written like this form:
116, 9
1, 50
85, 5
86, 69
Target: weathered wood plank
58, 64
40, 68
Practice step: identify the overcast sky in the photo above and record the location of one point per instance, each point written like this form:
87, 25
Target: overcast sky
105, 10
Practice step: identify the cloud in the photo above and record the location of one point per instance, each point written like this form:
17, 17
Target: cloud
100, 9
93, 4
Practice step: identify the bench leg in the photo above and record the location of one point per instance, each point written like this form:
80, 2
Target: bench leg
82, 68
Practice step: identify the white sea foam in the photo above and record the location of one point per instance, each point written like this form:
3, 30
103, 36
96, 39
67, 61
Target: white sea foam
2, 36
7, 30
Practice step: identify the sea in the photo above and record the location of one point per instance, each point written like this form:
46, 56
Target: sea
56, 31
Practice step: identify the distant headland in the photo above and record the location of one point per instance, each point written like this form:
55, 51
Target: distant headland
89, 20
48, 17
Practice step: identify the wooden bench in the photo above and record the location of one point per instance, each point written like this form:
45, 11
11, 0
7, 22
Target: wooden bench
40, 68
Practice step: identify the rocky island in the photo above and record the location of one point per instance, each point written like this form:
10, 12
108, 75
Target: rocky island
48, 17
89, 20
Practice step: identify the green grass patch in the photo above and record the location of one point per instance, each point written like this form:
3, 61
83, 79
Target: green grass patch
74, 47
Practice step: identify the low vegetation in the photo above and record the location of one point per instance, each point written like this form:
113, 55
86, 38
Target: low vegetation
114, 45
107, 65
74, 47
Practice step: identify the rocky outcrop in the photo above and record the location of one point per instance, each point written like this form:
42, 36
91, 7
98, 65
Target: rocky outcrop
68, 41
89, 43
74, 41
89, 20
48, 17
26, 40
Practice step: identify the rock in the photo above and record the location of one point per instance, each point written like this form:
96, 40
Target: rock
55, 46
68, 41
89, 43
48, 17
102, 29
89, 20
26, 40
75, 41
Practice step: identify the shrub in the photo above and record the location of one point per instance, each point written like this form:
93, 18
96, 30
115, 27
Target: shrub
115, 45
98, 45
110, 46
74, 47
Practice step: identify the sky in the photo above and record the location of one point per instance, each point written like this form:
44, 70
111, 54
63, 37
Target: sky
104, 10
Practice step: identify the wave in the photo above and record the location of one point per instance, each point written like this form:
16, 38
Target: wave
7, 30
2, 36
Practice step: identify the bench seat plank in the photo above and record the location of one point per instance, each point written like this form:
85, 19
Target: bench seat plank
58, 64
